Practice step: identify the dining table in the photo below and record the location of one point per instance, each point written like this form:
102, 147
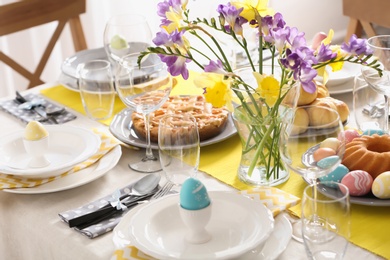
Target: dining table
32, 229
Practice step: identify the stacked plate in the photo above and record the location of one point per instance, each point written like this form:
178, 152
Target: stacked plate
68, 146
240, 228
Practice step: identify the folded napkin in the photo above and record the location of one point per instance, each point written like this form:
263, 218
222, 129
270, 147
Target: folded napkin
8, 181
274, 199
105, 225
12, 107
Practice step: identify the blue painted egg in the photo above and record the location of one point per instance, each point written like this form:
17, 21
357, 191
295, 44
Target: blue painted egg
373, 131
328, 162
336, 175
193, 195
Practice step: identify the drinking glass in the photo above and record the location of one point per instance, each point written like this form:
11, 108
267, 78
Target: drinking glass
179, 149
143, 88
381, 47
326, 220
368, 106
303, 130
95, 82
125, 34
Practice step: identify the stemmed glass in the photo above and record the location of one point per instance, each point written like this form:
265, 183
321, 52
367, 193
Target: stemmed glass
143, 88
381, 47
304, 130
125, 34
179, 149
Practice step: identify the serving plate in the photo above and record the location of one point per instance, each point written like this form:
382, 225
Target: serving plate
68, 146
77, 179
340, 77
368, 200
121, 128
275, 244
238, 224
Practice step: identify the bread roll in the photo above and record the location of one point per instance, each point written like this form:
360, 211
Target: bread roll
342, 108
320, 117
301, 122
322, 90
306, 98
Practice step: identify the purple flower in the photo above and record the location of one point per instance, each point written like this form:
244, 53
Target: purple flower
175, 38
356, 46
296, 38
306, 77
164, 7
231, 15
292, 60
278, 36
325, 53
269, 23
176, 65
215, 67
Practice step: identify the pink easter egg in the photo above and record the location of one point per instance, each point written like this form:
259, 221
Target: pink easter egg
358, 182
350, 134
322, 153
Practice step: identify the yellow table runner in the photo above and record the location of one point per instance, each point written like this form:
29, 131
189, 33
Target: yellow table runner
369, 225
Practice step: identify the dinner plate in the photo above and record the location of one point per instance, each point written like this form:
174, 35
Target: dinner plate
74, 180
237, 224
69, 66
68, 146
340, 77
121, 128
275, 244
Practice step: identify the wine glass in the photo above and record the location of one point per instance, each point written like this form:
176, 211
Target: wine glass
326, 220
144, 88
179, 149
125, 34
304, 130
380, 45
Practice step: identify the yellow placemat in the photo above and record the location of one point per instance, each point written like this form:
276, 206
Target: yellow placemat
11, 181
72, 99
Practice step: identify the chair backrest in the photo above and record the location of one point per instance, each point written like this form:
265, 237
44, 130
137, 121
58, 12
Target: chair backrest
26, 14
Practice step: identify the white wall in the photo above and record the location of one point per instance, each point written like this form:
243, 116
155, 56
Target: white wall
309, 16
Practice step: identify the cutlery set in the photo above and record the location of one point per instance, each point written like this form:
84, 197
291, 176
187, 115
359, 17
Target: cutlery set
126, 201
36, 106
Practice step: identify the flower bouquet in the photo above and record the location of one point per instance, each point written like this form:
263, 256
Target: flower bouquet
259, 93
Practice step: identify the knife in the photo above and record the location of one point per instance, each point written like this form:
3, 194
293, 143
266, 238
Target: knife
37, 109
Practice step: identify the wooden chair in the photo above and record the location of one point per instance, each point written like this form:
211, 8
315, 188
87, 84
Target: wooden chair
26, 14
364, 14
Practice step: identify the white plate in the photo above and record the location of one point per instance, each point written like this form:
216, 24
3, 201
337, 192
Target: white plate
345, 75
121, 128
275, 245
238, 224
68, 146
84, 176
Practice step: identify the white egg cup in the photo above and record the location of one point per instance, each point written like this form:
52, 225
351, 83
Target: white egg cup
37, 150
196, 221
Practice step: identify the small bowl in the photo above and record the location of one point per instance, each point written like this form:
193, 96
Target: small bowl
196, 221
37, 150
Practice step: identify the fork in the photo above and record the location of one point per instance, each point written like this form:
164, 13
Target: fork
164, 190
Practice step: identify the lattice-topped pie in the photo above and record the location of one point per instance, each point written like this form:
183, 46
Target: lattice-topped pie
211, 120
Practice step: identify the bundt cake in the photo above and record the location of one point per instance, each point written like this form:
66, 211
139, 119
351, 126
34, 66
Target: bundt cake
368, 153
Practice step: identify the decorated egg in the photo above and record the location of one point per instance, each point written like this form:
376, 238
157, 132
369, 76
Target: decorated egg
381, 186
358, 182
328, 162
193, 195
350, 134
35, 131
373, 131
336, 175
322, 153
330, 142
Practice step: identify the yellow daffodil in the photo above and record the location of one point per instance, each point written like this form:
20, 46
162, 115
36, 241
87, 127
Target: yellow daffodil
217, 88
250, 6
268, 88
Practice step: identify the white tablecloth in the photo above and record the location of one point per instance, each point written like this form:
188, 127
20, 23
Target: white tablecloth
31, 229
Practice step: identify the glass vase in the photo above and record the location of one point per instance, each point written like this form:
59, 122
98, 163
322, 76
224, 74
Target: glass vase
257, 117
